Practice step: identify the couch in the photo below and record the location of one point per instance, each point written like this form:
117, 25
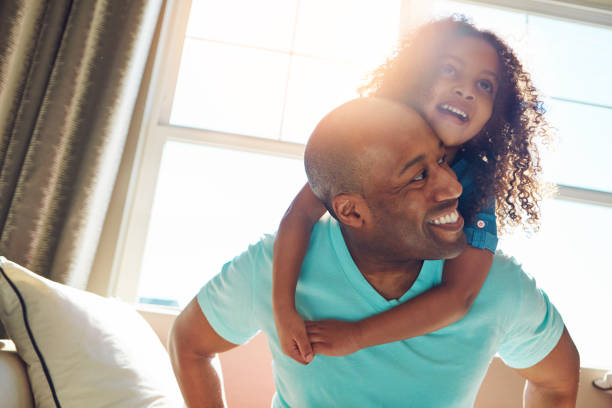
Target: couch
14, 383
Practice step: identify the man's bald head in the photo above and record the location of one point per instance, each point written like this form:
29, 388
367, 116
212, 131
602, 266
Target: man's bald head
342, 150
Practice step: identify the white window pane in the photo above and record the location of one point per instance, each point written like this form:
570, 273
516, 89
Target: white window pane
261, 23
571, 60
584, 146
210, 204
230, 89
511, 26
353, 30
569, 258
316, 86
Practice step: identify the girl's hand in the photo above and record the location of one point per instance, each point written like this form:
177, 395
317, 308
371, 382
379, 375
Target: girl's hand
334, 337
292, 336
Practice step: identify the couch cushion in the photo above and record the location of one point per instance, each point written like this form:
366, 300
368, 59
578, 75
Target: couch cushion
14, 384
83, 350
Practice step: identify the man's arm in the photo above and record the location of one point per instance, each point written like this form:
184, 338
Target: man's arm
553, 382
192, 345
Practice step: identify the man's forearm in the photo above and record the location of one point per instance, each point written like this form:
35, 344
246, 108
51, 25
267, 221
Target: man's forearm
540, 397
192, 346
200, 383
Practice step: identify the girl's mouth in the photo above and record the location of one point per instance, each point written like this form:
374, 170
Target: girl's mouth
455, 112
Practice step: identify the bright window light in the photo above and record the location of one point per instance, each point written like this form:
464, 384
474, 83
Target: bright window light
272, 68
267, 24
569, 258
230, 88
581, 158
210, 204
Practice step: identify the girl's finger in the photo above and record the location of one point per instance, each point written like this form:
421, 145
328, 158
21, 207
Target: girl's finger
304, 347
313, 329
320, 348
315, 338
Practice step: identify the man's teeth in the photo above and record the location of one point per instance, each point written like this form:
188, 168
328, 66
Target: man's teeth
454, 110
447, 219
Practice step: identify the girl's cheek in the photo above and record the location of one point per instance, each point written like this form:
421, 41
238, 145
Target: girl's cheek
424, 97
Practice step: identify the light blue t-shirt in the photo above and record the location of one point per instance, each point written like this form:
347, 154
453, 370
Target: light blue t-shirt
442, 369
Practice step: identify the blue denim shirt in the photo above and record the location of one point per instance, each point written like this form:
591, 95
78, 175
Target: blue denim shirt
482, 232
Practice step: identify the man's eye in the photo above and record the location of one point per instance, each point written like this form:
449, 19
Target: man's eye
420, 177
447, 70
485, 85
442, 160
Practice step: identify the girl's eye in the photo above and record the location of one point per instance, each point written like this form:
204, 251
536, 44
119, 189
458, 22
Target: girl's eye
447, 70
485, 85
442, 160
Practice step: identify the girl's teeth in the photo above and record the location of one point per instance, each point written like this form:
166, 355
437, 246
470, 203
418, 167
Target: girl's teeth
454, 110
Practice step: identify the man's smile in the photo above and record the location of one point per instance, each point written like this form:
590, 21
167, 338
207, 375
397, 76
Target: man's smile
451, 220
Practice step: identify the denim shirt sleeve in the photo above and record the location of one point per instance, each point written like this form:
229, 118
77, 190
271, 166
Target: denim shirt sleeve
482, 232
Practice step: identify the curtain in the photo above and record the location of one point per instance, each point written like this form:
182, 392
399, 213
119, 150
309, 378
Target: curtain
69, 76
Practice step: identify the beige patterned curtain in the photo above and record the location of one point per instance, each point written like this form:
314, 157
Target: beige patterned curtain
69, 76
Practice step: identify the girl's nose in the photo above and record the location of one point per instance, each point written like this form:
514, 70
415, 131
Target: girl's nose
464, 94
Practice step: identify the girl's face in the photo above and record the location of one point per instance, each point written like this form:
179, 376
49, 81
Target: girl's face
460, 100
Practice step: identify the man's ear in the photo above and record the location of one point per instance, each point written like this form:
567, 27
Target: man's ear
351, 209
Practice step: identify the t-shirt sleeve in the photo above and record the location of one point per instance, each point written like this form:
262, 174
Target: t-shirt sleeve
482, 232
535, 330
227, 299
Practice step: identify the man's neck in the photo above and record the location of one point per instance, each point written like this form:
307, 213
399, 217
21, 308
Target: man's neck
390, 278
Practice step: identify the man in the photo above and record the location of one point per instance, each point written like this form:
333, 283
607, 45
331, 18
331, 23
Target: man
381, 172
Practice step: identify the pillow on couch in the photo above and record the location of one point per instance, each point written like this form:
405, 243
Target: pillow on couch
83, 350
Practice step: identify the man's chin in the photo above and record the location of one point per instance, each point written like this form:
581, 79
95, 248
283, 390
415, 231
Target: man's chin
452, 249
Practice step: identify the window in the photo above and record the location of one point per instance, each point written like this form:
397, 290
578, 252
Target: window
240, 85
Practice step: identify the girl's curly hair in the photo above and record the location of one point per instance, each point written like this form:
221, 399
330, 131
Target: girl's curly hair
504, 156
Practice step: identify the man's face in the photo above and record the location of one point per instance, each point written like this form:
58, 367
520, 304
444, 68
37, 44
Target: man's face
412, 194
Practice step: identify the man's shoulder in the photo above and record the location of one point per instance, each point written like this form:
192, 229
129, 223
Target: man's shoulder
505, 268
260, 253
324, 231
257, 255
507, 277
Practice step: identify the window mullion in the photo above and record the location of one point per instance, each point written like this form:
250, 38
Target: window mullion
583, 195
172, 49
233, 141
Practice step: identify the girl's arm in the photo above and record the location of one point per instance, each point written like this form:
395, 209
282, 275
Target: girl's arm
290, 248
430, 311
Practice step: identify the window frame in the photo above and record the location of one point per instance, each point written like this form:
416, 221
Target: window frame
156, 130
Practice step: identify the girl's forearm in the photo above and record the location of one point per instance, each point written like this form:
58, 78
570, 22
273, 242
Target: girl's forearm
435, 309
289, 251
426, 313
291, 244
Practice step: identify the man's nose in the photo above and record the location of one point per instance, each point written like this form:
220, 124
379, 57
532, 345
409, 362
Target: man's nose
446, 186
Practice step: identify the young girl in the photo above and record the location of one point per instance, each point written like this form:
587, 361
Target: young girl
474, 93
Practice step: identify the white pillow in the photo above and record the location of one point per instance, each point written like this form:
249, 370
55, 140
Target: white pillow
83, 350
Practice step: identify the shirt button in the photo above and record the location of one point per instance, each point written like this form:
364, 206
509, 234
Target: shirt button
480, 224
